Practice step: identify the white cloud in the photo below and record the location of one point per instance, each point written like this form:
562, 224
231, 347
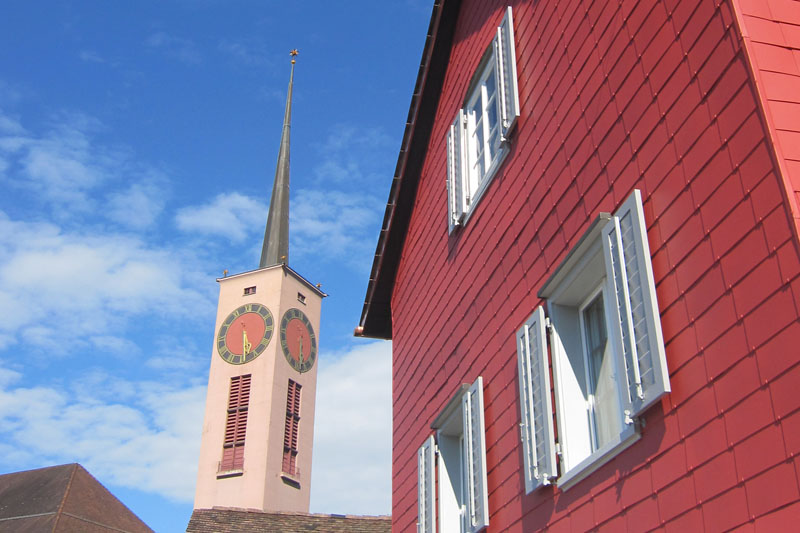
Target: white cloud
8, 377
182, 353
86, 285
178, 48
62, 166
151, 444
336, 219
353, 426
90, 56
114, 345
250, 54
230, 215
139, 205
352, 155
10, 125
335, 225
65, 169
146, 435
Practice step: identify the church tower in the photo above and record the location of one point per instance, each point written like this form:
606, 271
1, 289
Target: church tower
258, 429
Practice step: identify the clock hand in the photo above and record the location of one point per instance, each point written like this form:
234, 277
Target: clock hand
300, 340
245, 343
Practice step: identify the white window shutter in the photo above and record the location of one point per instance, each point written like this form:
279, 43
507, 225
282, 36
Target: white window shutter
456, 201
506, 58
426, 510
638, 324
477, 511
536, 409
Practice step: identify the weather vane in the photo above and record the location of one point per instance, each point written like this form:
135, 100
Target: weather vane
293, 53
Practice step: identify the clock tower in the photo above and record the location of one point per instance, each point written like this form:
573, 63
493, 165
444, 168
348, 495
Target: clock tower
258, 430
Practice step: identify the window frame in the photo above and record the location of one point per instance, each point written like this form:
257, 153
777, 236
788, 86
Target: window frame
458, 459
464, 188
612, 257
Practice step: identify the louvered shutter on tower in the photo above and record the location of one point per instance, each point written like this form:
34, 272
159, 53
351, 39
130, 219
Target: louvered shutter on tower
291, 428
536, 410
426, 512
236, 424
631, 283
474, 454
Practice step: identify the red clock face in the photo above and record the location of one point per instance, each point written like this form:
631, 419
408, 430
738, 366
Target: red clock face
250, 327
298, 341
245, 334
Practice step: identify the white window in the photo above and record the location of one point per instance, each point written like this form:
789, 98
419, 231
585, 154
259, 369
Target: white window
606, 348
477, 139
460, 457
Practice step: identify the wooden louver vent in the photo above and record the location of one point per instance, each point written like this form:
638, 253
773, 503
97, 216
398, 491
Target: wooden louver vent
236, 424
291, 428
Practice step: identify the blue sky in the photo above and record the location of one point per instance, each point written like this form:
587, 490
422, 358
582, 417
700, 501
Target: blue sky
138, 143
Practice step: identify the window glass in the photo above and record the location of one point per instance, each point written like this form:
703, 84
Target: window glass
602, 403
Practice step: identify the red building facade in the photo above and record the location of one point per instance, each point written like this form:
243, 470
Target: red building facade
679, 117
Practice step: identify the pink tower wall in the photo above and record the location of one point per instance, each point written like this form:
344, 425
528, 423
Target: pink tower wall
654, 95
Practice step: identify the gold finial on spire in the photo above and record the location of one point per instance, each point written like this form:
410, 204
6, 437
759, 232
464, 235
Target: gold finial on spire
293, 53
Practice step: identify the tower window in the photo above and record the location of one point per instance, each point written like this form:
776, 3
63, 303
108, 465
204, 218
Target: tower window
249, 290
301, 297
236, 424
291, 428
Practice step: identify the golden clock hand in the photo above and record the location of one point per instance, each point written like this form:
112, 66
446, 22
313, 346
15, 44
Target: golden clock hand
245, 343
300, 341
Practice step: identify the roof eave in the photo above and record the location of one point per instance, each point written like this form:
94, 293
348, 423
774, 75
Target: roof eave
376, 315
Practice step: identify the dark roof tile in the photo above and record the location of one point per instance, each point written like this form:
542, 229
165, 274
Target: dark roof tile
238, 520
62, 499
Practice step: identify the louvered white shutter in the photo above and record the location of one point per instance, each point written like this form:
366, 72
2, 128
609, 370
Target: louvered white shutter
638, 328
506, 68
477, 511
456, 200
536, 409
426, 517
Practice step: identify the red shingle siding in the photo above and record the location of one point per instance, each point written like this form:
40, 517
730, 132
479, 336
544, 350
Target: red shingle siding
616, 96
771, 34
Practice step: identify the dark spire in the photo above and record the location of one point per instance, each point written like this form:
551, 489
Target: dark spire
276, 237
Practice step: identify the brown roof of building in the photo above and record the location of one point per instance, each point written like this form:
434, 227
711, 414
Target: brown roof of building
62, 499
236, 520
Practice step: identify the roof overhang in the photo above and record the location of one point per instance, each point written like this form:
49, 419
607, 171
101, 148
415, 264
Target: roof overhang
376, 316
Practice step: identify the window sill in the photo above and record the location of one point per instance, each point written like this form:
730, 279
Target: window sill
290, 480
586, 467
230, 473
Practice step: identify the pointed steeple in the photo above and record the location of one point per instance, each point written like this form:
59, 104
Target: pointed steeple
276, 237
